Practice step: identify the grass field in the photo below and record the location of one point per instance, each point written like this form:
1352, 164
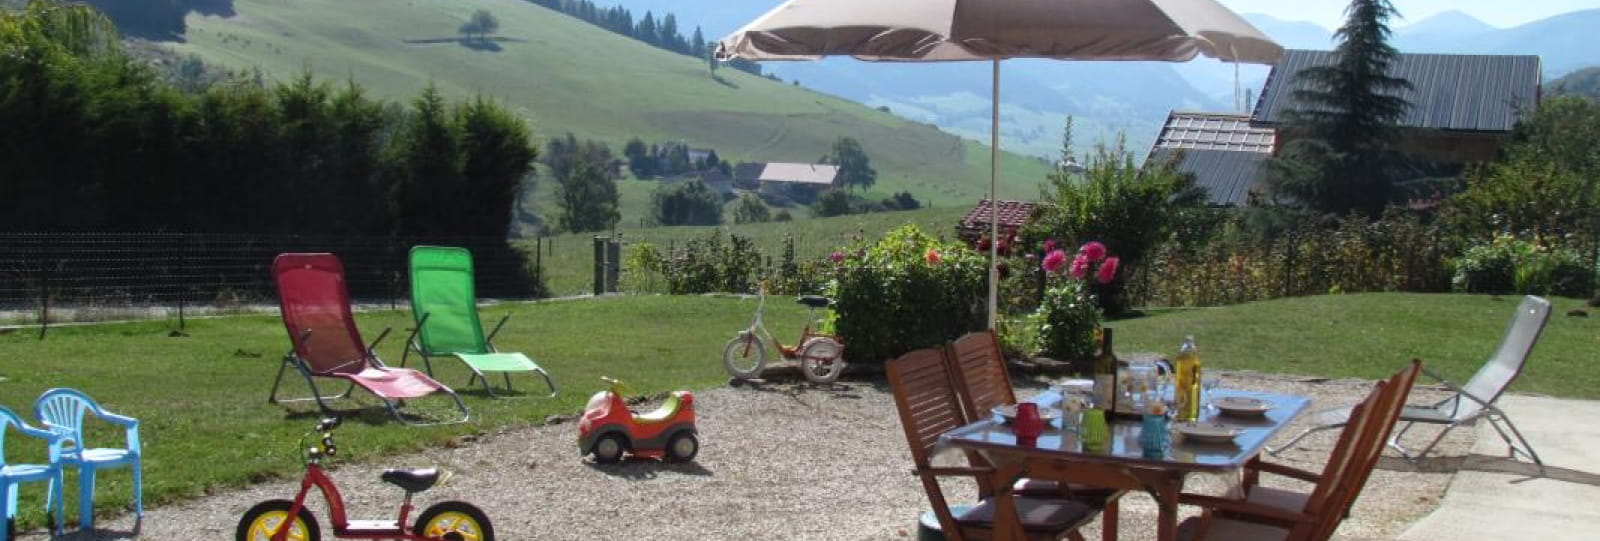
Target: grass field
566, 76
569, 260
207, 426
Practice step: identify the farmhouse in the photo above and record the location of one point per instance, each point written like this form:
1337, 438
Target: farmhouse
1463, 108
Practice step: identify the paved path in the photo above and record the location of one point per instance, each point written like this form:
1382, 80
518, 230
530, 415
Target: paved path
1493, 498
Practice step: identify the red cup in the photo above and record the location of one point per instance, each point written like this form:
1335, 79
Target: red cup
1028, 423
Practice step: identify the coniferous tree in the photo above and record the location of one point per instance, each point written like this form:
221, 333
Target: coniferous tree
1337, 158
697, 44
647, 31
670, 40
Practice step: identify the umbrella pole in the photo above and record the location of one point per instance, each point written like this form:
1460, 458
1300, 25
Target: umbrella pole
994, 200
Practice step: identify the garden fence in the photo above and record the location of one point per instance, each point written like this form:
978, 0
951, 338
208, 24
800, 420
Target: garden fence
115, 275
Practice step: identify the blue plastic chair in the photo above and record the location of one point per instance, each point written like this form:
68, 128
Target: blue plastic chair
62, 412
12, 475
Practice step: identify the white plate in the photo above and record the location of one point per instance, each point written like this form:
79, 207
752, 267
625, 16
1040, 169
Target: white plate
1241, 405
1009, 412
1210, 433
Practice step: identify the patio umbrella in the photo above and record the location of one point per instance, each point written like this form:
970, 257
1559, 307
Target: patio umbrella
994, 30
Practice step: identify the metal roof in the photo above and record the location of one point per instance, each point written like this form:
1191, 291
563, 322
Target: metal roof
800, 173
1227, 174
1213, 131
1449, 91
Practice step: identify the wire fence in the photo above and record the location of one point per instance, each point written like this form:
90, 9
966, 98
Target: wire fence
50, 277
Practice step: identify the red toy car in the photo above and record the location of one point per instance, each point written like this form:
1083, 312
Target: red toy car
609, 429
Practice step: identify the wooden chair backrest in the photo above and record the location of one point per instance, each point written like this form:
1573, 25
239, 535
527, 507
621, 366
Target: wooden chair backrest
925, 396
1328, 494
980, 373
1373, 440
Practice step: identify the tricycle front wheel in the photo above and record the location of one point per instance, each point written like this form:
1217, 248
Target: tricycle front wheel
745, 356
454, 521
266, 518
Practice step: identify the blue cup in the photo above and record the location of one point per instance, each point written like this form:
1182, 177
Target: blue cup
1153, 435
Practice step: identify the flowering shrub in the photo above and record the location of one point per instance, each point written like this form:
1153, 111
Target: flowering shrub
904, 292
1070, 310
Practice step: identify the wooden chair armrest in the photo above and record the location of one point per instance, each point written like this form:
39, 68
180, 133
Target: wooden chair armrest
1286, 471
954, 472
1271, 515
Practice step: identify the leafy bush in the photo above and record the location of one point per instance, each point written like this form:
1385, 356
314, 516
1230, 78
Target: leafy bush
794, 277
1116, 203
1510, 265
1307, 255
710, 264
1065, 321
644, 269
905, 292
686, 203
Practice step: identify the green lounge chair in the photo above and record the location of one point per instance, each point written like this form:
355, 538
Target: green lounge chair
444, 304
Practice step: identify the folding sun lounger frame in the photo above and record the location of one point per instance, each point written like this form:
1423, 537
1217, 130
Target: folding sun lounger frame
1470, 402
443, 293
315, 305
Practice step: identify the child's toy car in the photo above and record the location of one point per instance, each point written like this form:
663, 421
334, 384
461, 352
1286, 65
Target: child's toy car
609, 429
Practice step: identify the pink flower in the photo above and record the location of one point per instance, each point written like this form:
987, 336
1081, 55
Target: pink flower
1049, 245
1054, 261
1108, 270
836, 256
1080, 266
1095, 251
932, 256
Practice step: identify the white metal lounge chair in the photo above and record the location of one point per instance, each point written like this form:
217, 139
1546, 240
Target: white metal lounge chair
1473, 401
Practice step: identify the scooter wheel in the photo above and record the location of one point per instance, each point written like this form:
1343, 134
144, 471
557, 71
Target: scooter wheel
682, 447
266, 518
454, 521
609, 448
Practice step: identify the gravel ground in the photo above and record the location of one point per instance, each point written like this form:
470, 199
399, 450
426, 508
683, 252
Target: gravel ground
777, 462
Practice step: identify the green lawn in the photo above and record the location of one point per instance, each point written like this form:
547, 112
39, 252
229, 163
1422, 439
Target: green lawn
1371, 335
206, 423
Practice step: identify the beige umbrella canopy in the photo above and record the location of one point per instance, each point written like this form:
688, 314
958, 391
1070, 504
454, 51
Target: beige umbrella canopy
993, 30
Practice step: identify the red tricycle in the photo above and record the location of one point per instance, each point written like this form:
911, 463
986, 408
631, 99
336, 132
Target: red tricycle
285, 520
608, 428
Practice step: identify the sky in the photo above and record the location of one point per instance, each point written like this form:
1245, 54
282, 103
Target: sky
1330, 13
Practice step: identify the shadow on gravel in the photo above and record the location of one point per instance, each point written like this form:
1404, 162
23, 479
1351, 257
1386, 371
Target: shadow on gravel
645, 470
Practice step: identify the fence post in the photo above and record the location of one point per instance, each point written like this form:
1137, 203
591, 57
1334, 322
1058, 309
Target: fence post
599, 265
613, 265
538, 267
183, 266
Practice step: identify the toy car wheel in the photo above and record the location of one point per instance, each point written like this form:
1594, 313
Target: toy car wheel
682, 447
821, 359
609, 448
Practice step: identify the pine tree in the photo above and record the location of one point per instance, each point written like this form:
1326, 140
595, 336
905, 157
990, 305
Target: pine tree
646, 30
1068, 157
697, 44
670, 40
1338, 158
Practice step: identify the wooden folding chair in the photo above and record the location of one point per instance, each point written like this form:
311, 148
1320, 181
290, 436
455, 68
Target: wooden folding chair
982, 382
1278, 514
925, 396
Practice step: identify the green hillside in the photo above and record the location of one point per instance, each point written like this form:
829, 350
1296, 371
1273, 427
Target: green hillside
565, 75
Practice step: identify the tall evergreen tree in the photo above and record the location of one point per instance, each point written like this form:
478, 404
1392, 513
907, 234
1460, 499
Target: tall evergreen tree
1338, 158
670, 39
697, 44
647, 31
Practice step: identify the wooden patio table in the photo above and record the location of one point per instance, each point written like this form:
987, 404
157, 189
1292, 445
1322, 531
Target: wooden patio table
1120, 463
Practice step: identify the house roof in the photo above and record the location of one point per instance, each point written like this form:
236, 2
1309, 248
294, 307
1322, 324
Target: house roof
1228, 175
1213, 131
1012, 214
800, 173
1449, 91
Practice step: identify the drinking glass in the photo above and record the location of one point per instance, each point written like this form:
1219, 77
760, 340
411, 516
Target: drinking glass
1095, 433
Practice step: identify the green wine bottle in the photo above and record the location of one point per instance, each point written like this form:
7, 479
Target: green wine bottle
1105, 374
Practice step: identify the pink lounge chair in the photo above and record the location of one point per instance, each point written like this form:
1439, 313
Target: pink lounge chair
326, 344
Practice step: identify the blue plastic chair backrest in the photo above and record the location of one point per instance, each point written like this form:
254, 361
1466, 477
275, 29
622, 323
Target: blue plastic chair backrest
63, 410
8, 418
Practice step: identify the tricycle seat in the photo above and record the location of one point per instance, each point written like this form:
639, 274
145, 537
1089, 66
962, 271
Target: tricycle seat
814, 301
411, 480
